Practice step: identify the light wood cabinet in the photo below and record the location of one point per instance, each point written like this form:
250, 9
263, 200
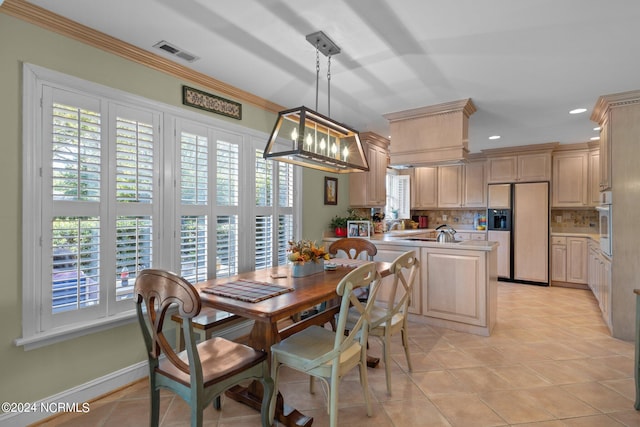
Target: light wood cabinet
450, 186
599, 268
570, 179
594, 177
474, 191
456, 286
559, 259
462, 185
368, 189
500, 196
424, 188
520, 168
605, 155
569, 259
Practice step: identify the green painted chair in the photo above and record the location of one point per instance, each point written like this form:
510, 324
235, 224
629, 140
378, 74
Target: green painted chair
330, 355
202, 372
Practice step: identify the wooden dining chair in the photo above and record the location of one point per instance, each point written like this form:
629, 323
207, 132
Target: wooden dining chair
202, 372
353, 247
330, 355
390, 309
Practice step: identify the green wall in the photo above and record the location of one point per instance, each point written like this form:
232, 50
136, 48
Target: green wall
27, 376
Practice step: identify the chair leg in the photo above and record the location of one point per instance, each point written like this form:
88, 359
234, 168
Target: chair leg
364, 382
217, 404
155, 406
333, 401
405, 343
386, 351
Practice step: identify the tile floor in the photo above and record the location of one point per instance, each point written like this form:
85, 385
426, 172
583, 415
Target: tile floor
550, 362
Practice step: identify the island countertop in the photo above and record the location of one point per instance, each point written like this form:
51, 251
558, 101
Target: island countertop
412, 238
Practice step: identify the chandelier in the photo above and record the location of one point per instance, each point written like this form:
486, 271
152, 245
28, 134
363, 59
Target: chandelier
304, 137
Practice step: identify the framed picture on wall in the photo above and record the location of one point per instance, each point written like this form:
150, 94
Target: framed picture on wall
330, 191
359, 229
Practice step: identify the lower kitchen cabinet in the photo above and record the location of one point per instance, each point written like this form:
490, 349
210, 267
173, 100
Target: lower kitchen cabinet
456, 287
504, 251
569, 257
599, 267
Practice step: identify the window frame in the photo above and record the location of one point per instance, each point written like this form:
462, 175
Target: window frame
166, 245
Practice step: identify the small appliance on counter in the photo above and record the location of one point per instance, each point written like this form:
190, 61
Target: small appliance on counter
446, 234
423, 221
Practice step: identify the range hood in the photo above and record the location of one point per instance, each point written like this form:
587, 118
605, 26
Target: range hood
432, 135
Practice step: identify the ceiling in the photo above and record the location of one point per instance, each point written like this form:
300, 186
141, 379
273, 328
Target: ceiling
524, 63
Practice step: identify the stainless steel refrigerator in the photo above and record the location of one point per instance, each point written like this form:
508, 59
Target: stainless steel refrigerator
518, 218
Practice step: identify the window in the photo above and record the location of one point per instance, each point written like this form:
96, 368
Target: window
398, 197
99, 207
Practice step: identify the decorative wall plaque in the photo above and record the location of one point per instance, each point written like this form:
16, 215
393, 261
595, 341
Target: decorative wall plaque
212, 103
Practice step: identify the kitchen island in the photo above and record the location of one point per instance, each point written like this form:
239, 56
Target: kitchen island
456, 286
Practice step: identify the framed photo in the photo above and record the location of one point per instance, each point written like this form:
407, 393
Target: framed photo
330, 191
359, 229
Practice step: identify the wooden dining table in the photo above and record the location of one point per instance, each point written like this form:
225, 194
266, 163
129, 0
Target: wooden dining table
306, 293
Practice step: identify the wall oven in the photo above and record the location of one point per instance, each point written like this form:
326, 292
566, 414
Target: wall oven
604, 210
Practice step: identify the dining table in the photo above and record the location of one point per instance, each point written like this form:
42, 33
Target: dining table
270, 296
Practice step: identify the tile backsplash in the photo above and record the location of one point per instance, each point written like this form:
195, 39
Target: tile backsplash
579, 220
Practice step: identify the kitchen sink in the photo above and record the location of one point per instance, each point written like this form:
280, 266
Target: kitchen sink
426, 239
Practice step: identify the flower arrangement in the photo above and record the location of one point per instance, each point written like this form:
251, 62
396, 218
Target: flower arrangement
306, 250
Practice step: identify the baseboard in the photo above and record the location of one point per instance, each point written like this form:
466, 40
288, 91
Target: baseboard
76, 395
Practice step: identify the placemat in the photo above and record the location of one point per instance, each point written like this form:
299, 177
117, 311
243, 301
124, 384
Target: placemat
247, 290
347, 262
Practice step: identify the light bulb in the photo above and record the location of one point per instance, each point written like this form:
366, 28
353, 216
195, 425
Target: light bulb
294, 134
323, 144
345, 153
334, 149
309, 140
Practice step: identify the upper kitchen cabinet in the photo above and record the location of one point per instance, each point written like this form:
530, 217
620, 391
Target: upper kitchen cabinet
424, 188
368, 189
529, 163
594, 174
450, 186
430, 135
570, 177
474, 191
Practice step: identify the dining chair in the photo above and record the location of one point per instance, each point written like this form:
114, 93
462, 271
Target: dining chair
329, 355
353, 247
389, 312
202, 372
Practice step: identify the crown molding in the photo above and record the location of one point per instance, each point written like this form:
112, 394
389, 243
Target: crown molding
59, 24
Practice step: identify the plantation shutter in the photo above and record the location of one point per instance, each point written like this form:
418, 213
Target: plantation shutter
227, 204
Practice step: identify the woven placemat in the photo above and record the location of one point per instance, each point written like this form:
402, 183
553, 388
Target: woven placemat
247, 290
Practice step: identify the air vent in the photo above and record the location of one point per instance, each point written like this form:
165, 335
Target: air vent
174, 50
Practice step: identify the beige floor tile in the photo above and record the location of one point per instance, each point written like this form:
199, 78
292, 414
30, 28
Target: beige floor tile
415, 413
600, 397
515, 406
467, 411
439, 382
559, 402
592, 421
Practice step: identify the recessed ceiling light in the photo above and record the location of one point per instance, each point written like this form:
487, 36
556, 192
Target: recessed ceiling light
578, 111
594, 138
597, 128
494, 137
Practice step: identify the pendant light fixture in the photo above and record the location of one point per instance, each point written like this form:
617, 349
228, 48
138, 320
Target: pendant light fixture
304, 137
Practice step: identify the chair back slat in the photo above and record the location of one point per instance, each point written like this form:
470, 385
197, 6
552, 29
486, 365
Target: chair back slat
156, 291
353, 247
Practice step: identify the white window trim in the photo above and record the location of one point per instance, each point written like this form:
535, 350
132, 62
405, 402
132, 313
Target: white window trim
33, 76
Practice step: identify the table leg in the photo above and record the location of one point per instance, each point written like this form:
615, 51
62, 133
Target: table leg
263, 336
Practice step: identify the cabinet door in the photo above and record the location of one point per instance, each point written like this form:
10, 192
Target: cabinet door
449, 186
424, 188
368, 189
475, 185
502, 169
500, 196
531, 232
559, 263
534, 167
504, 251
577, 257
570, 179
594, 178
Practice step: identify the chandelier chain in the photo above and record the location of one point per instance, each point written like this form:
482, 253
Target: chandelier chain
317, 70
329, 86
